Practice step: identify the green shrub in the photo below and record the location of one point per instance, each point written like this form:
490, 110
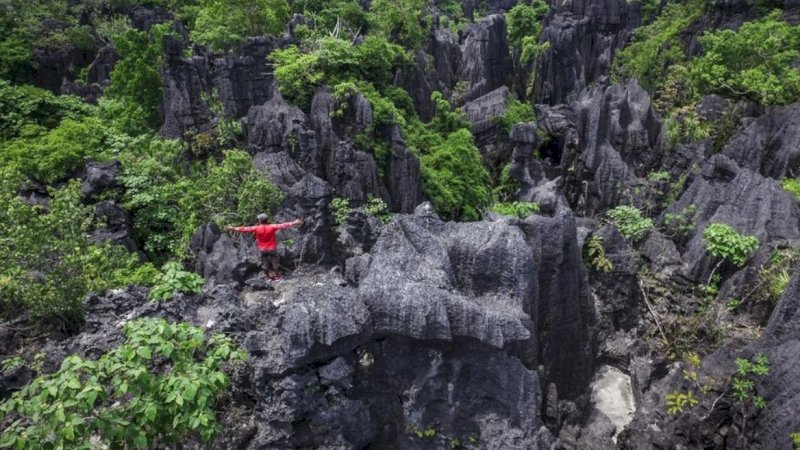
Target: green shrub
517, 112
174, 279
725, 243
29, 110
404, 22
778, 272
524, 25
679, 225
378, 209
656, 47
169, 201
348, 14
157, 388
340, 208
49, 264
520, 210
677, 402
630, 222
684, 126
743, 387
224, 24
796, 440
136, 79
595, 255
334, 61
454, 178
792, 185
756, 62
51, 156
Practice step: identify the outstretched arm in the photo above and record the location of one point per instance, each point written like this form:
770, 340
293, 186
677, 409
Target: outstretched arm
241, 229
281, 226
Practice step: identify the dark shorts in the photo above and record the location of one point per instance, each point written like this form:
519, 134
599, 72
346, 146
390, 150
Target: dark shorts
267, 257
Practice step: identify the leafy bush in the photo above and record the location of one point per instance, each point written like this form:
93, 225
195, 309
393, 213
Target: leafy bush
340, 208
404, 22
517, 209
743, 385
169, 200
685, 126
174, 279
136, 79
656, 47
756, 62
679, 225
49, 265
224, 24
677, 402
595, 255
630, 222
327, 14
51, 156
517, 112
29, 110
778, 272
454, 178
724, 242
378, 209
156, 388
524, 24
792, 185
334, 61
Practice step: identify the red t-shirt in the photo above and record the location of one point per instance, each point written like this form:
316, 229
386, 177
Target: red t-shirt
265, 234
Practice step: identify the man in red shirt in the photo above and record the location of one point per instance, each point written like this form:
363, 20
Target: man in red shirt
267, 243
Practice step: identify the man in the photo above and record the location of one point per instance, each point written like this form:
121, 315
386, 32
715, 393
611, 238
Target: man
267, 243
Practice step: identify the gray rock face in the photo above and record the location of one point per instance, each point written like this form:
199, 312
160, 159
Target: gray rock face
114, 226
781, 388
583, 36
770, 145
752, 204
619, 133
442, 330
98, 177
485, 60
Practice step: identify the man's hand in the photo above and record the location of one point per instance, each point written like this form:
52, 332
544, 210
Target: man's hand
299, 221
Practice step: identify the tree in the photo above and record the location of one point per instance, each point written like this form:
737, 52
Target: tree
224, 24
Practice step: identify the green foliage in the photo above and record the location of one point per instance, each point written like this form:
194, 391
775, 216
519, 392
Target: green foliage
340, 208
49, 264
156, 388
327, 14
520, 210
724, 242
743, 387
174, 279
595, 255
656, 47
333, 61
684, 126
792, 185
777, 273
20, 26
28, 110
12, 363
796, 440
454, 178
677, 402
655, 177
517, 112
679, 225
507, 187
404, 22
52, 155
427, 433
169, 200
524, 25
630, 222
224, 24
378, 209
136, 83
755, 62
